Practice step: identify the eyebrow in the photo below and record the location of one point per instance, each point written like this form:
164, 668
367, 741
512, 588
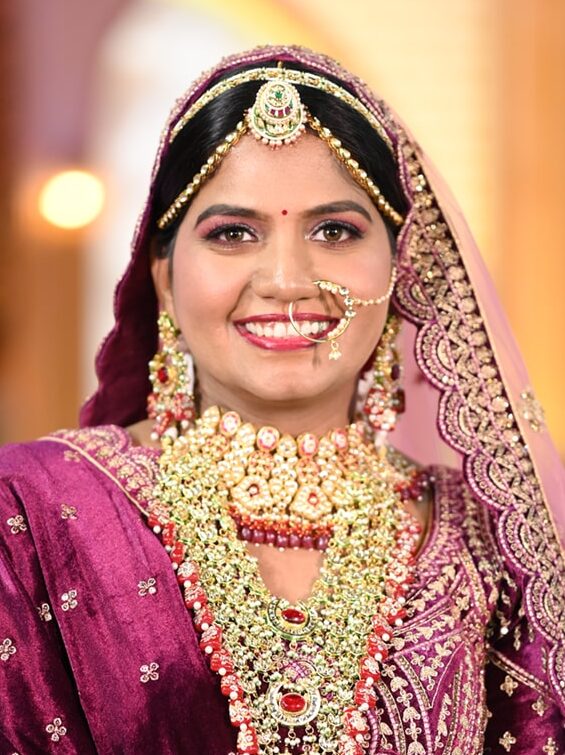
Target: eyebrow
330, 208
334, 207
229, 209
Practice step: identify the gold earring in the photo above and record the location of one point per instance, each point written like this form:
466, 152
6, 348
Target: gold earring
385, 400
171, 371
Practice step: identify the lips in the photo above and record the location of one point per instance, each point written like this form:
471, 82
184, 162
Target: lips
275, 332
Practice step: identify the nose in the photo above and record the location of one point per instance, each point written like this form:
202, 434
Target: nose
285, 271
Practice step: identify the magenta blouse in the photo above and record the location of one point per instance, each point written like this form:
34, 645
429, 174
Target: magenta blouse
98, 653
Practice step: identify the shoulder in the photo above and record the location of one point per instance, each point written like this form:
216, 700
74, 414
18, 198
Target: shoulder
54, 451
76, 463
79, 483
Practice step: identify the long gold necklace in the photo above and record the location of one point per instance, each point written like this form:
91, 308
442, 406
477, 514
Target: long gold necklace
298, 678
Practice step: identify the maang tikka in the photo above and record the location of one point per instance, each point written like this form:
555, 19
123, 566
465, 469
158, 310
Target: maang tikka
278, 117
171, 372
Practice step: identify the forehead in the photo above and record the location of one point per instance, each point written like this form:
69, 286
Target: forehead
297, 175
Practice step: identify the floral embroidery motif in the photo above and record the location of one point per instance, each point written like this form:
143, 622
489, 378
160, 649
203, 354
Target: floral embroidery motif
148, 587
7, 648
17, 524
531, 410
475, 411
550, 747
540, 706
508, 685
56, 729
71, 456
149, 672
68, 512
44, 611
133, 468
69, 600
507, 741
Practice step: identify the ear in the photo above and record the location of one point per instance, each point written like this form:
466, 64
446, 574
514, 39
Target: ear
161, 274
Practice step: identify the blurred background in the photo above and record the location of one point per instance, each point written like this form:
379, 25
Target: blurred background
86, 87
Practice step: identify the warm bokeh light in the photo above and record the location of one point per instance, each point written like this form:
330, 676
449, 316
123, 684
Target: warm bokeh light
71, 199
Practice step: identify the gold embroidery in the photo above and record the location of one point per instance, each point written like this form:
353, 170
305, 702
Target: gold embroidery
148, 587
457, 589
540, 706
550, 747
149, 672
444, 714
508, 685
17, 524
71, 456
476, 415
7, 648
507, 741
517, 637
56, 729
69, 601
68, 512
532, 411
110, 449
499, 660
44, 611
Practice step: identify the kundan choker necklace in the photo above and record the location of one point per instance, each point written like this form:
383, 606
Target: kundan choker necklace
298, 678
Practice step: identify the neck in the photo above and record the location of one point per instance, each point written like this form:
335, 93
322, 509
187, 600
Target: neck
315, 415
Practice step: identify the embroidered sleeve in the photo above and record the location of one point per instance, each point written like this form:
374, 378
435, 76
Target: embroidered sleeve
40, 710
523, 715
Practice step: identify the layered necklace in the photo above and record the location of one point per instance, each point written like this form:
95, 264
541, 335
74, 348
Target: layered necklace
298, 678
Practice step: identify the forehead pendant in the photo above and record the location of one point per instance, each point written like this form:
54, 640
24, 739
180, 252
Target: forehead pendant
278, 116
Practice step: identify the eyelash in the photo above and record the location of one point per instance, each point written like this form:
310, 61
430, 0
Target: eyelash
216, 233
355, 233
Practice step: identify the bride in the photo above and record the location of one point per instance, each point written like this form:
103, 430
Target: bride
232, 555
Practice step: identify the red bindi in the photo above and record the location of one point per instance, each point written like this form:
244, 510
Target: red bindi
284, 212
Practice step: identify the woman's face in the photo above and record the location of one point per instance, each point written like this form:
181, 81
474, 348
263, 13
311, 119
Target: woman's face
255, 238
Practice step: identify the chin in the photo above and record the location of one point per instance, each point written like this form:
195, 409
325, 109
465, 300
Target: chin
288, 389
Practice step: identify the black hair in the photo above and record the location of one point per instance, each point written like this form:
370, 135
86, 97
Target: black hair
199, 138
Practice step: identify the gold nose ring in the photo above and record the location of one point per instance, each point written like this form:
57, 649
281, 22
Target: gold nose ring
344, 322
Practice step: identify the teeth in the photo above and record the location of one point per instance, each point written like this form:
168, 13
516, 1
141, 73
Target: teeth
285, 330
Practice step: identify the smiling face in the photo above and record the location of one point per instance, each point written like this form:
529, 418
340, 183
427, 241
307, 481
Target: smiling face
255, 238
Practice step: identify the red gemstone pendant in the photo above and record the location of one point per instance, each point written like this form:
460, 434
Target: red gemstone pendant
293, 702
294, 616
291, 622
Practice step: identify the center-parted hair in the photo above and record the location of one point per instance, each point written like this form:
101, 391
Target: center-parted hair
198, 139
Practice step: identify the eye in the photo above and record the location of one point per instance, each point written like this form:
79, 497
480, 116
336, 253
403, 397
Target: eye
335, 232
232, 233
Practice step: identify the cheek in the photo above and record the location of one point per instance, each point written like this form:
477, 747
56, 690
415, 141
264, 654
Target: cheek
205, 292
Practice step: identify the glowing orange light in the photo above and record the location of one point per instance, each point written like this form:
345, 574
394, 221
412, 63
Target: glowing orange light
71, 199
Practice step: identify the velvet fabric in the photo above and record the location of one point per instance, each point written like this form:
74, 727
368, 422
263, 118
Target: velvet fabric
98, 653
